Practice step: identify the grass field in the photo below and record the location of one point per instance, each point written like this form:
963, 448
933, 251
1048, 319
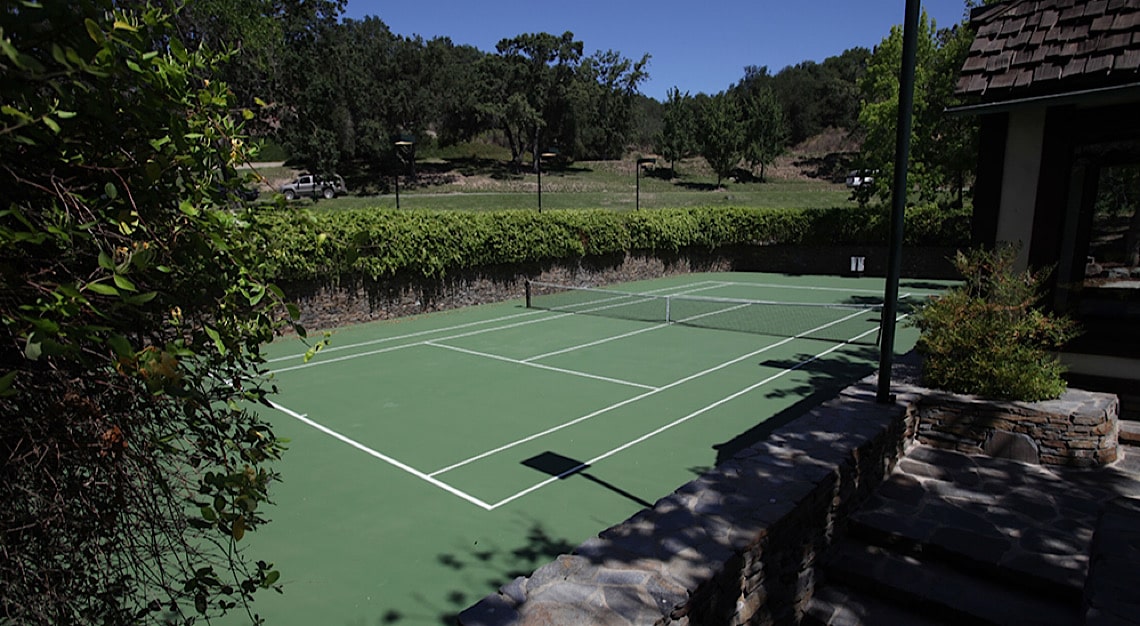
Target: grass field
455, 180
769, 195
434, 458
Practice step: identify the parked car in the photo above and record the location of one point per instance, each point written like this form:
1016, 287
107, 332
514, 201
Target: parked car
858, 178
314, 186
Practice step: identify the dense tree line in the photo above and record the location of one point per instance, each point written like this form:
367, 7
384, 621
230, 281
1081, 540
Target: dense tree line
755, 120
341, 91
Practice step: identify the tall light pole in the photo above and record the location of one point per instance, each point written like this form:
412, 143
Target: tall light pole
898, 208
404, 142
637, 177
549, 154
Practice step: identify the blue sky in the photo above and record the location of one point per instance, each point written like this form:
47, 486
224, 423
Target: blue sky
696, 46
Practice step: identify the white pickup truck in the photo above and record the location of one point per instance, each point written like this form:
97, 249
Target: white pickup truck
314, 186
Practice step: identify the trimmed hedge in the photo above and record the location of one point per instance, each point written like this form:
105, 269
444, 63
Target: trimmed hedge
302, 245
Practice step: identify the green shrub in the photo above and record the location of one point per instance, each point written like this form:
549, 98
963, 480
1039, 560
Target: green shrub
300, 245
988, 338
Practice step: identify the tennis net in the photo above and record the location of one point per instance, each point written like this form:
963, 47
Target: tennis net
848, 323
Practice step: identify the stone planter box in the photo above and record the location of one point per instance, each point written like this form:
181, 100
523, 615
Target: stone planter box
1079, 429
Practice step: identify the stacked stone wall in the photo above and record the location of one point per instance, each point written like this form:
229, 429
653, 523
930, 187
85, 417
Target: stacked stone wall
1080, 429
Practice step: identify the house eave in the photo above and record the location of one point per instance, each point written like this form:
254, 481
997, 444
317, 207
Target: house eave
1099, 96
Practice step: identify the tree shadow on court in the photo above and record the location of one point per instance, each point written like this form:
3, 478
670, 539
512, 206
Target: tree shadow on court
491, 566
827, 376
920, 284
502, 564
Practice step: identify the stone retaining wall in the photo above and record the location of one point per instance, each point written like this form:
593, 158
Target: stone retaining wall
735, 546
1079, 429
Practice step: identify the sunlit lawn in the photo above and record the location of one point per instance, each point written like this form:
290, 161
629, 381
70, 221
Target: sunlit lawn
455, 181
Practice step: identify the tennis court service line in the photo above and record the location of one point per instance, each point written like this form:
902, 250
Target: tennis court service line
805, 287
408, 336
631, 333
678, 421
625, 335
618, 405
358, 355
711, 285
539, 366
838, 289
380, 455
598, 342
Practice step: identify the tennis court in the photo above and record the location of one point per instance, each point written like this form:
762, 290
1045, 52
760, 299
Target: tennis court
435, 458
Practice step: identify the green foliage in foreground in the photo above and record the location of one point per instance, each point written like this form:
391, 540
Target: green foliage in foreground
380, 243
132, 313
987, 338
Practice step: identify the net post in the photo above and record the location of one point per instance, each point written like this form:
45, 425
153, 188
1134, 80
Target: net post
668, 313
527, 283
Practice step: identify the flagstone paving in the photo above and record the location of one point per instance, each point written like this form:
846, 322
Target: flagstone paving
958, 538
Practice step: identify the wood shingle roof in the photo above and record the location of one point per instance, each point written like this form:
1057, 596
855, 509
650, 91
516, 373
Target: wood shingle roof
1028, 48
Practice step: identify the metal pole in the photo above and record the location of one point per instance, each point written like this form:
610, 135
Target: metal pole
637, 177
898, 207
540, 185
404, 142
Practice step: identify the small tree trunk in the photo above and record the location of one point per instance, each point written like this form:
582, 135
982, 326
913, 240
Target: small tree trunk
535, 154
516, 153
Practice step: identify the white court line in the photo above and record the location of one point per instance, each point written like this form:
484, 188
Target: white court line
431, 477
713, 284
540, 366
837, 289
806, 287
618, 405
450, 337
383, 457
676, 422
593, 343
631, 333
358, 355
408, 336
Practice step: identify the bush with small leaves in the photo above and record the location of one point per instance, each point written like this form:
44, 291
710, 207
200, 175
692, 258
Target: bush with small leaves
988, 337
133, 305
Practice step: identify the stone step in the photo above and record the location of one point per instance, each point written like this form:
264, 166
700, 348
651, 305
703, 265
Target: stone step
1130, 432
838, 605
1026, 533
930, 588
980, 555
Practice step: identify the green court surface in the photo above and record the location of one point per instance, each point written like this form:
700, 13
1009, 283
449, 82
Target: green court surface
434, 458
